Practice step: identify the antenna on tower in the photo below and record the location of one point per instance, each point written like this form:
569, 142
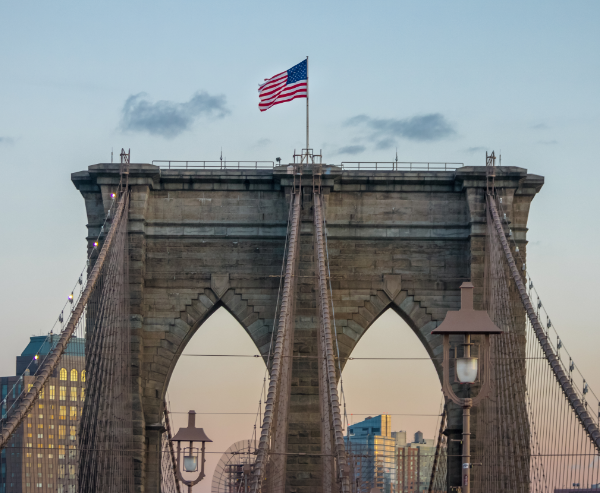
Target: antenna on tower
396, 157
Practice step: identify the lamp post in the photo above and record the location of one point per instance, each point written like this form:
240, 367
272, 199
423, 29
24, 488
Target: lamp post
190, 454
468, 322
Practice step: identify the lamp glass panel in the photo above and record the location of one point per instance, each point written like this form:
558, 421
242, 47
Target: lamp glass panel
466, 370
190, 463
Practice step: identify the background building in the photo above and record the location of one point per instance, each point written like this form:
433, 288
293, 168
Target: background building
42, 455
415, 461
373, 451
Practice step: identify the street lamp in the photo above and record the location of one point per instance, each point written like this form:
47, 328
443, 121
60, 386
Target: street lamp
468, 322
190, 454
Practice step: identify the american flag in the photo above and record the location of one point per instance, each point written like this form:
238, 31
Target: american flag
284, 87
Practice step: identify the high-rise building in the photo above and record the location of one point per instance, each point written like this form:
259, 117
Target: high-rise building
42, 454
415, 461
373, 452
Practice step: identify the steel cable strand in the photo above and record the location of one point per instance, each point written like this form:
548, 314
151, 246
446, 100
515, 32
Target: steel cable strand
489, 416
497, 424
549, 344
550, 394
95, 407
120, 424
105, 378
547, 316
533, 417
517, 383
96, 365
78, 284
100, 377
520, 414
572, 396
337, 346
436, 458
324, 398
50, 364
276, 322
275, 374
501, 385
513, 379
113, 455
335, 405
100, 293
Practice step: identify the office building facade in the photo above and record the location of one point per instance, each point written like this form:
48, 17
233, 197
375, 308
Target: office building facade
42, 456
373, 453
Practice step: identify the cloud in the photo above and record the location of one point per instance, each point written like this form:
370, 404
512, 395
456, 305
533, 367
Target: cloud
6, 140
385, 131
548, 142
167, 118
262, 142
351, 149
474, 150
540, 126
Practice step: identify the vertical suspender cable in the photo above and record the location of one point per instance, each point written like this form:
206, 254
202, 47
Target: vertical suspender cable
52, 360
284, 316
329, 356
574, 401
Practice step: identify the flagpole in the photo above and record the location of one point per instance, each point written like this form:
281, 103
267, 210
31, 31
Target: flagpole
307, 110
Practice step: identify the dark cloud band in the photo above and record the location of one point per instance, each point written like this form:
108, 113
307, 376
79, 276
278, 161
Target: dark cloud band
385, 131
167, 118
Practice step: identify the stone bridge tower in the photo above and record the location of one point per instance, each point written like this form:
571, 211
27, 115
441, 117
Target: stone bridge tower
202, 239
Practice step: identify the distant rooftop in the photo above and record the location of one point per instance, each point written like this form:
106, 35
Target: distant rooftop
41, 345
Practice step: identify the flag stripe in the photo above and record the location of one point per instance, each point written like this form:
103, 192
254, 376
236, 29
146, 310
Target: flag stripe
283, 95
283, 87
282, 91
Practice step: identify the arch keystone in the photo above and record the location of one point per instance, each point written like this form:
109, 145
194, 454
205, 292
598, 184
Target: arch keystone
219, 283
392, 284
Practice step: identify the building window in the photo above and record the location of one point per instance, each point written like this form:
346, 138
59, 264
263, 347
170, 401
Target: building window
73, 414
74, 375
42, 394
63, 374
52, 392
61, 452
62, 412
82, 394
63, 393
72, 474
74, 394
73, 433
62, 432
83, 376
61, 471
40, 435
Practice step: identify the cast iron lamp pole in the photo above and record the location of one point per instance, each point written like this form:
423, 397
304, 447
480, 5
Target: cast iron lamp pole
190, 455
468, 322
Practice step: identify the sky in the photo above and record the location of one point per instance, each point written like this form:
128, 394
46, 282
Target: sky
439, 81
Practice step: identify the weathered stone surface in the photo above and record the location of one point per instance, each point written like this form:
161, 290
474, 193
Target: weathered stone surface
204, 239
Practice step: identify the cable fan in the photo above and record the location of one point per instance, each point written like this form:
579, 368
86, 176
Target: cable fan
233, 472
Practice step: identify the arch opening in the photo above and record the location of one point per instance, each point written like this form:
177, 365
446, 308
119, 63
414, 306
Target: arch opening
217, 384
408, 389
